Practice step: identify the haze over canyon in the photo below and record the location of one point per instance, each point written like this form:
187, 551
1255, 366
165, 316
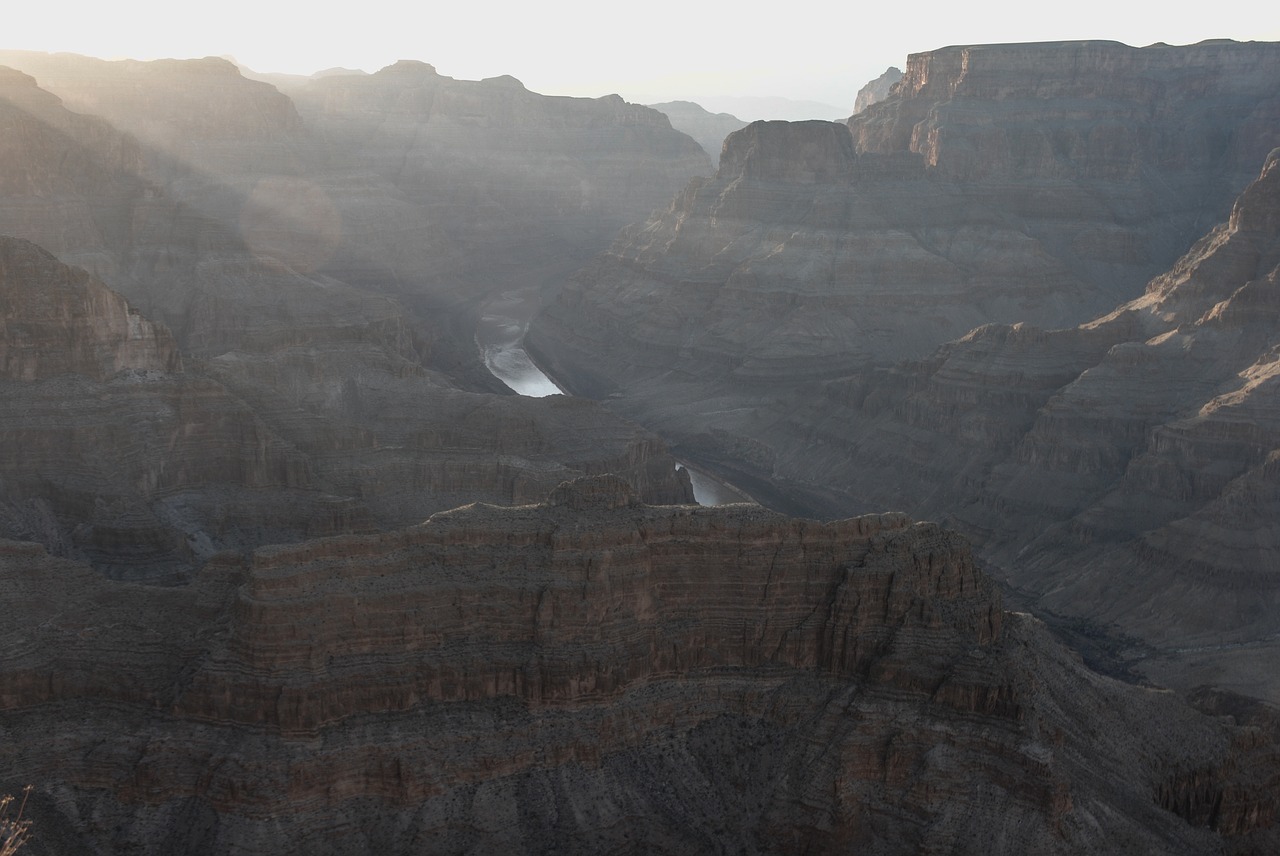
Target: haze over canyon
395, 463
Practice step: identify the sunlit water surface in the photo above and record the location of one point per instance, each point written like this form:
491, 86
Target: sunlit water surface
500, 337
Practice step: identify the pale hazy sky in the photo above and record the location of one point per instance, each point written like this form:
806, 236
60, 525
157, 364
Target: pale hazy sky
649, 51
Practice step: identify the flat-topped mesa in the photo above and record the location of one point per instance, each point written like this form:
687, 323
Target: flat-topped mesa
1005, 197
813, 152
1087, 109
583, 598
594, 492
56, 319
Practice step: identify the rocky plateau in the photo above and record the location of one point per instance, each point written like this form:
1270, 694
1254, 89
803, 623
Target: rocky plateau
593, 674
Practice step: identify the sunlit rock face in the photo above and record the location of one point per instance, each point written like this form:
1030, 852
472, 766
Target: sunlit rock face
877, 90
596, 674
1124, 470
976, 192
238, 261
761, 324
406, 184
467, 187
200, 114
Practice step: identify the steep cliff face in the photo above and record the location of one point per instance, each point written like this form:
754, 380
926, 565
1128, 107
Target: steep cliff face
500, 187
1124, 470
977, 192
1099, 465
349, 379
877, 90
70, 323
113, 454
245, 210
594, 674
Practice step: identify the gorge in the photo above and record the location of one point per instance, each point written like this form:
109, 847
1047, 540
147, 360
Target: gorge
302, 552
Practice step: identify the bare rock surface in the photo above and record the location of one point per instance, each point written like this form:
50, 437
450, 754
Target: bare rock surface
314, 403
434, 192
1122, 471
70, 322
977, 192
113, 453
877, 90
1119, 471
596, 674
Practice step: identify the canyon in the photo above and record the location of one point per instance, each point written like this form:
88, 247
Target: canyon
786, 323
288, 568
589, 674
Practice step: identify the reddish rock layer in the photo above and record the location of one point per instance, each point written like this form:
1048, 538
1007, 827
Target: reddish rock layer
594, 674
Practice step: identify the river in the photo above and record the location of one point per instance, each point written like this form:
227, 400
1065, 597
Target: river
500, 338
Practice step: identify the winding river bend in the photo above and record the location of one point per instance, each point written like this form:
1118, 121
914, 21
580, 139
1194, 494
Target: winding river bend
500, 338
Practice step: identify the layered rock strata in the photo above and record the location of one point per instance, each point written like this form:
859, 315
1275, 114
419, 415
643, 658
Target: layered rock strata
1118, 471
593, 674
976, 192
233, 248
110, 452
238, 209
1123, 471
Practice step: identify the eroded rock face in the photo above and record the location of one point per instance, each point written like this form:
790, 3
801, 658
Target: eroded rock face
71, 323
877, 90
499, 186
1123, 470
110, 452
244, 208
593, 674
1132, 449
327, 405
976, 193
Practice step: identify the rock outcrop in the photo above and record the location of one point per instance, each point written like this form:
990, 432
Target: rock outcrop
1123, 471
595, 674
978, 192
114, 454
70, 322
245, 206
877, 90
1119, 471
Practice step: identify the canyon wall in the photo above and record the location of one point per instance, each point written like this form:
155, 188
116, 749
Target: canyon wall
782, 322
1123, 470
115, 453
351, 189
977, 192
592, 673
